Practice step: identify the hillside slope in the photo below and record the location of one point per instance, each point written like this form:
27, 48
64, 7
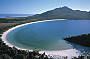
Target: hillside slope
62, 13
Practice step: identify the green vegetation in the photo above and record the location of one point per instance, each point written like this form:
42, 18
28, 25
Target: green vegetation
83, 39
6, 26
14, 20
62, 13
17, 20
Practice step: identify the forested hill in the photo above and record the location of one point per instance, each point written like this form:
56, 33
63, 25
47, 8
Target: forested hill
62, 13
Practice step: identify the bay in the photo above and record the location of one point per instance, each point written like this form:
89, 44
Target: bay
50, 35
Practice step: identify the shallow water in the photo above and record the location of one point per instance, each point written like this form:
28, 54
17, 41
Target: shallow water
49, 35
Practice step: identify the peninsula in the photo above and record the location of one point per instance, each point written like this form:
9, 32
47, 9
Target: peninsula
83, 39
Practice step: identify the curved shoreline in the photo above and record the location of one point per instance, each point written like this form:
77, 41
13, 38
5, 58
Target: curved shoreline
52, 53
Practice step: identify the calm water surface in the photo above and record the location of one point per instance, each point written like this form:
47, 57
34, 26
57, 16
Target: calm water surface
49, 35
14, 15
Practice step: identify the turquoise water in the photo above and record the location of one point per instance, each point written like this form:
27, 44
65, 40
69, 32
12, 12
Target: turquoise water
49, 35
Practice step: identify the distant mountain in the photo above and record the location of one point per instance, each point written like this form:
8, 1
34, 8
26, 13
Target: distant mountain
62, 13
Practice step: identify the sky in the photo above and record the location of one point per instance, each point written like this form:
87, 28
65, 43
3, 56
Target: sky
40, 6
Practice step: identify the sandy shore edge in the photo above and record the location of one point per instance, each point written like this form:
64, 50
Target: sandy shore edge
69, 52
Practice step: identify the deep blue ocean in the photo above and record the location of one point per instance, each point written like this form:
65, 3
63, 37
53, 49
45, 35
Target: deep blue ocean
50, 35
14, 15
